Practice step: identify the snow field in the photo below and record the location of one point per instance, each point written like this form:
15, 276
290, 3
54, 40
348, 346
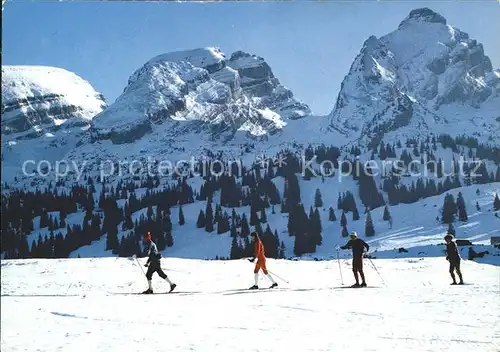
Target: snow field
417, 311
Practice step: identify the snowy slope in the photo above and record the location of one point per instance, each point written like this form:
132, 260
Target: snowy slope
426, 76
46, 307
409, 230
45, 110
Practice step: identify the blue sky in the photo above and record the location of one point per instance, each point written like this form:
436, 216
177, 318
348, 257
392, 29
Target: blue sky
309, 45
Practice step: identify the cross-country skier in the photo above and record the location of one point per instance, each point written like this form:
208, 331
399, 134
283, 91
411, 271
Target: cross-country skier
453, 257
358, 246
260, 254
153, 264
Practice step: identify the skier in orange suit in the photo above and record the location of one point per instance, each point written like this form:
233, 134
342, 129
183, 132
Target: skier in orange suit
260, 254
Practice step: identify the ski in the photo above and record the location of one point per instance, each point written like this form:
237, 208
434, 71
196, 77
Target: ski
145, 294
356, 287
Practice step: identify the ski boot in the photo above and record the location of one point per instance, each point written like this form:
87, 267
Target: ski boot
355, 285
454, 283
274, 285
148, 292
254, 287
363, 284
172, 287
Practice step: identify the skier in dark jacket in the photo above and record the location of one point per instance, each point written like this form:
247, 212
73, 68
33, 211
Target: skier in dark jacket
453, 257
358, 246
153, 263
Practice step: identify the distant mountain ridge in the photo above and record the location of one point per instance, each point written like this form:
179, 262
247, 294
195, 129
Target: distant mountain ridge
426, 77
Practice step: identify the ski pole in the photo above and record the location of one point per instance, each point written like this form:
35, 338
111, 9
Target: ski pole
270, 272
340, 268
140, 266
278, 276
374, 267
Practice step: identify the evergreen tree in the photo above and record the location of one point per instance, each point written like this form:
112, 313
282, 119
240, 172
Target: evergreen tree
209, 224
462, 211
182, 221
440, 168
355, 214
245, 228
234, 231
496, 203
62, 219
368, 192
24, 248
387, 214
44, 219
345, 233
343, 219
56, 224
316, 228
218, 211
169, 239
128, 224
369, 229
318, 201
161, 241
150, 213
112, 239
200, 223
223, 224
331, 214
283, 209
298, 246
277, 244
451, 229
236, 250
254, 219
33, 250
449, 209
271, 244
282, 250
263, 216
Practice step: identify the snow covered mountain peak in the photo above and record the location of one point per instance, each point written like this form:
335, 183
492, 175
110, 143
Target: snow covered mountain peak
423, 15
45, 111
34, 97
200, 91
425, 76
211, 59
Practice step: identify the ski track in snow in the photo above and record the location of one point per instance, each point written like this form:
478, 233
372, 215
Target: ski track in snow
91, 304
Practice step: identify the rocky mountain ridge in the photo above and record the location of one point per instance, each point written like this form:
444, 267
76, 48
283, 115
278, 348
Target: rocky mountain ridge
424, 77
200, 90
